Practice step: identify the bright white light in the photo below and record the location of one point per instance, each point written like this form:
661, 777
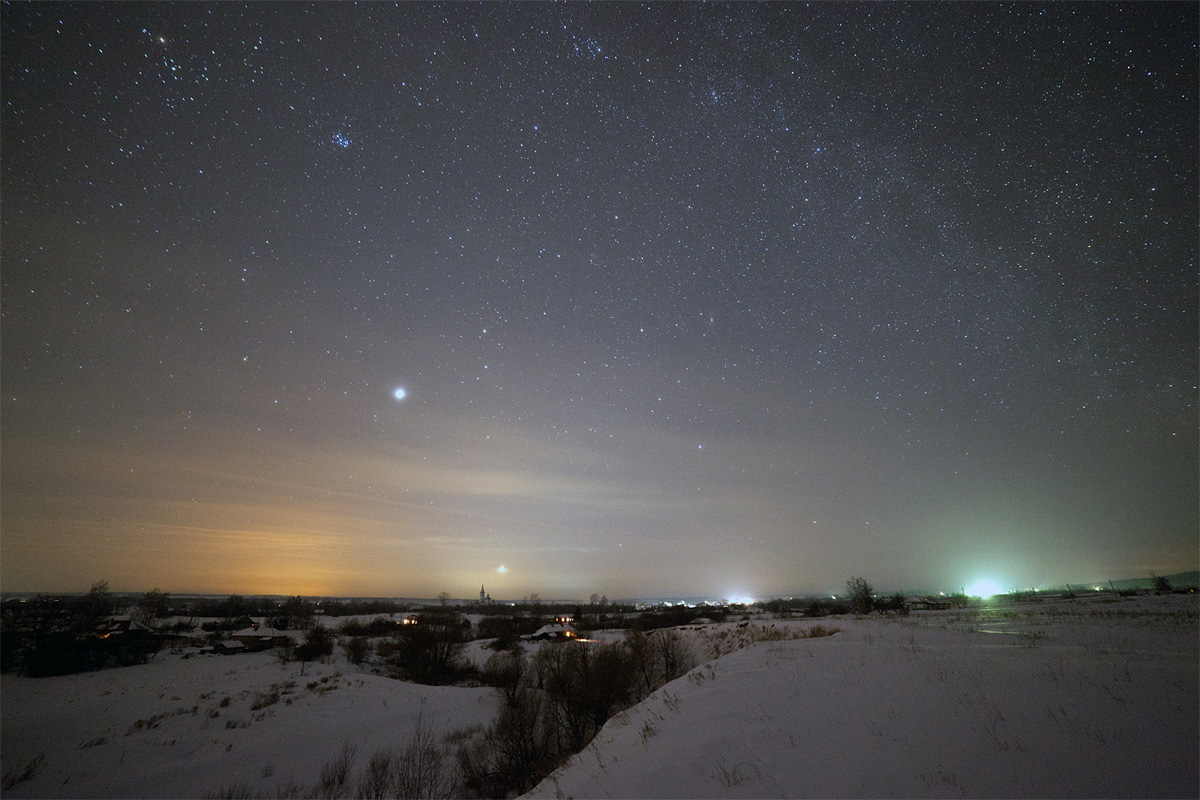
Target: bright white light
983, 588
502, 568
400, 394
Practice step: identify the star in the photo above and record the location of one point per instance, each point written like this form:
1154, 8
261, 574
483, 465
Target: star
900, 276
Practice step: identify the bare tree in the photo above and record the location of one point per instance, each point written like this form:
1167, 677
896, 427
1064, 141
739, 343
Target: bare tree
153, 605
318, 643
94, 606
861, 601
673, 653
431, 650
641, 655
297, 613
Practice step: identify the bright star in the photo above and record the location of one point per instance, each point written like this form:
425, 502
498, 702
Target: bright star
399, 394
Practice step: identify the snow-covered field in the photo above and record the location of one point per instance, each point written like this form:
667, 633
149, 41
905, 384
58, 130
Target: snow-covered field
1074, 699
189, 727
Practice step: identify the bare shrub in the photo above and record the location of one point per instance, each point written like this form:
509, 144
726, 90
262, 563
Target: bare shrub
420, 769
356, 648
818, 631
739, 774
334, 779
264, 700
517, 751
376, 780
505, 670
555, 703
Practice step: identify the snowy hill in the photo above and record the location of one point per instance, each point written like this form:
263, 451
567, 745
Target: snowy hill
1067, 701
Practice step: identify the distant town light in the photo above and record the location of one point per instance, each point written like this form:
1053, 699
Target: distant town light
984, 588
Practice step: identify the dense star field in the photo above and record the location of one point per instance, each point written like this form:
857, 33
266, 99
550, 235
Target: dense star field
632, 299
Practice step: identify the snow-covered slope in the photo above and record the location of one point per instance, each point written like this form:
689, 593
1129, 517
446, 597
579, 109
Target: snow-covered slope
189, 727
1067, 701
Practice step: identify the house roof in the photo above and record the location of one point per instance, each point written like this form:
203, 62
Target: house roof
261, 632
121, 623
554, 629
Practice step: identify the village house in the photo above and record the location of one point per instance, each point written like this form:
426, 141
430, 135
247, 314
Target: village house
919, 603
255, 637
117, 626
554, 632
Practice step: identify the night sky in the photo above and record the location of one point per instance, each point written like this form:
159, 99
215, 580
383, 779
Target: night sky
680, 300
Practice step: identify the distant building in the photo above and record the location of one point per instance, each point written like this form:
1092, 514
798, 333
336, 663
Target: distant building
117, 626
484, 597
918, 603
554, 632
259, 637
